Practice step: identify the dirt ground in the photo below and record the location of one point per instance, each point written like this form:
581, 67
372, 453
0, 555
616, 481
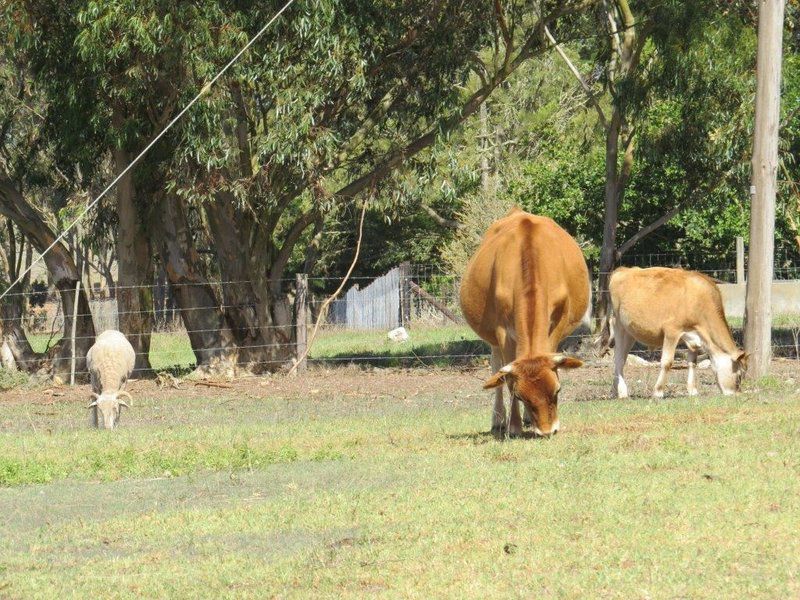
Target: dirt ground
591, 382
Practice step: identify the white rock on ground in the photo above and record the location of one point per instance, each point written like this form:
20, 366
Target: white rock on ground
399, 335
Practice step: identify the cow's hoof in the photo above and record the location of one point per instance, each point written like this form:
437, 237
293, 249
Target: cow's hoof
694, 393
498, 430
658, 394
515, 432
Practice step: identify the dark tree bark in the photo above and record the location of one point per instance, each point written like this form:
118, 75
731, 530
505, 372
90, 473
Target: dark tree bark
211, 338
258, 310
135, 263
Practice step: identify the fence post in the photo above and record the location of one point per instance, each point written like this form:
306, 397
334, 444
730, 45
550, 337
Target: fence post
739, 259
301, 319
74, 330
405, 294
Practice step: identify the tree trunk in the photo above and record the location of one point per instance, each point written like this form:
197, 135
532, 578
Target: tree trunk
105, 270
758, 309
611, 219
135, 278
211, 338
258, 311
12, 312
625, 53
62, 272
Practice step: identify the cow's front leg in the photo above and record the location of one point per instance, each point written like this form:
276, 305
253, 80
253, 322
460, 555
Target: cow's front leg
623, 342
515, 423
667, 356
691, 383
499, 410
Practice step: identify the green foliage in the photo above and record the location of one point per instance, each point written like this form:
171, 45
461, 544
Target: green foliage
335, 87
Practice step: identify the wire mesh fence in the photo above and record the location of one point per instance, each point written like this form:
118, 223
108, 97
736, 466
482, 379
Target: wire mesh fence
355, 329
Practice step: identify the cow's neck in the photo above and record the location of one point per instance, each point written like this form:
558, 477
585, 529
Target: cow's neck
533, 333
718, 342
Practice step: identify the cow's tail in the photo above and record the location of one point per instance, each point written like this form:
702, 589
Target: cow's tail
587, 317
606, 338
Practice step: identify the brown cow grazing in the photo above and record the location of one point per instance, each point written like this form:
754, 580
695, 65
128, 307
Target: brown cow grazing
526, 289
663, 307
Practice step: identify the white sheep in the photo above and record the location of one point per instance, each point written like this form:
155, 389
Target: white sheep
110, 362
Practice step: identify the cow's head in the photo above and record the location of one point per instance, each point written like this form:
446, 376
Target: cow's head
107, 408
535, 382
730, 369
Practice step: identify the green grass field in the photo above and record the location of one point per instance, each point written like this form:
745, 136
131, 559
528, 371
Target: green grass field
354, 484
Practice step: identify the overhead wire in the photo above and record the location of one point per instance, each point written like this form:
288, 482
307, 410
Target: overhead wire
206, 87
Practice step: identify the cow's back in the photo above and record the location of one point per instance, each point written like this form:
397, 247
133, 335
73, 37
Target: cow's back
520, 256
648, 301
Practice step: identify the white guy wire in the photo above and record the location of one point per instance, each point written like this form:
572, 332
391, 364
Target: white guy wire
202, 91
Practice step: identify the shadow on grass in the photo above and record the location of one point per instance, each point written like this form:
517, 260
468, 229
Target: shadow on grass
447, 354
482, 437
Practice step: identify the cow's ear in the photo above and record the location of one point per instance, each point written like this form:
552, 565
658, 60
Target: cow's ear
499, 378
741, 360
562, 361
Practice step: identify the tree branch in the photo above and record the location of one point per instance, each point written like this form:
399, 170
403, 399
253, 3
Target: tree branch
590, 95
410, 36
533, 45
381, 109
440, 220
242, 130
663, 219
648, 229
501, 20
285, 253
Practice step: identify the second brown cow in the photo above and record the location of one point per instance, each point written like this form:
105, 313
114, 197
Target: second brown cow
661, 307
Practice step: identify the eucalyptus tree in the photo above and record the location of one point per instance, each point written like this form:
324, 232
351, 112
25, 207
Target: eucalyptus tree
31, 192
325, 107
352, 92
676, 77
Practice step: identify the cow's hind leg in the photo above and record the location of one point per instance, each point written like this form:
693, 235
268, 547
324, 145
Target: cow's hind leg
499, 410
623, 342
667, 356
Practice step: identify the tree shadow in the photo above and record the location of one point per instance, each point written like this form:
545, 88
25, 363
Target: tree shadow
446, 354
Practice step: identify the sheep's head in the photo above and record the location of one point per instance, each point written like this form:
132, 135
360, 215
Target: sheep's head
107, 408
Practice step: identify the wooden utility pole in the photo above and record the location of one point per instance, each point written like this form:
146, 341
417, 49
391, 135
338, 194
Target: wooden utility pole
758, 309
740, 259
